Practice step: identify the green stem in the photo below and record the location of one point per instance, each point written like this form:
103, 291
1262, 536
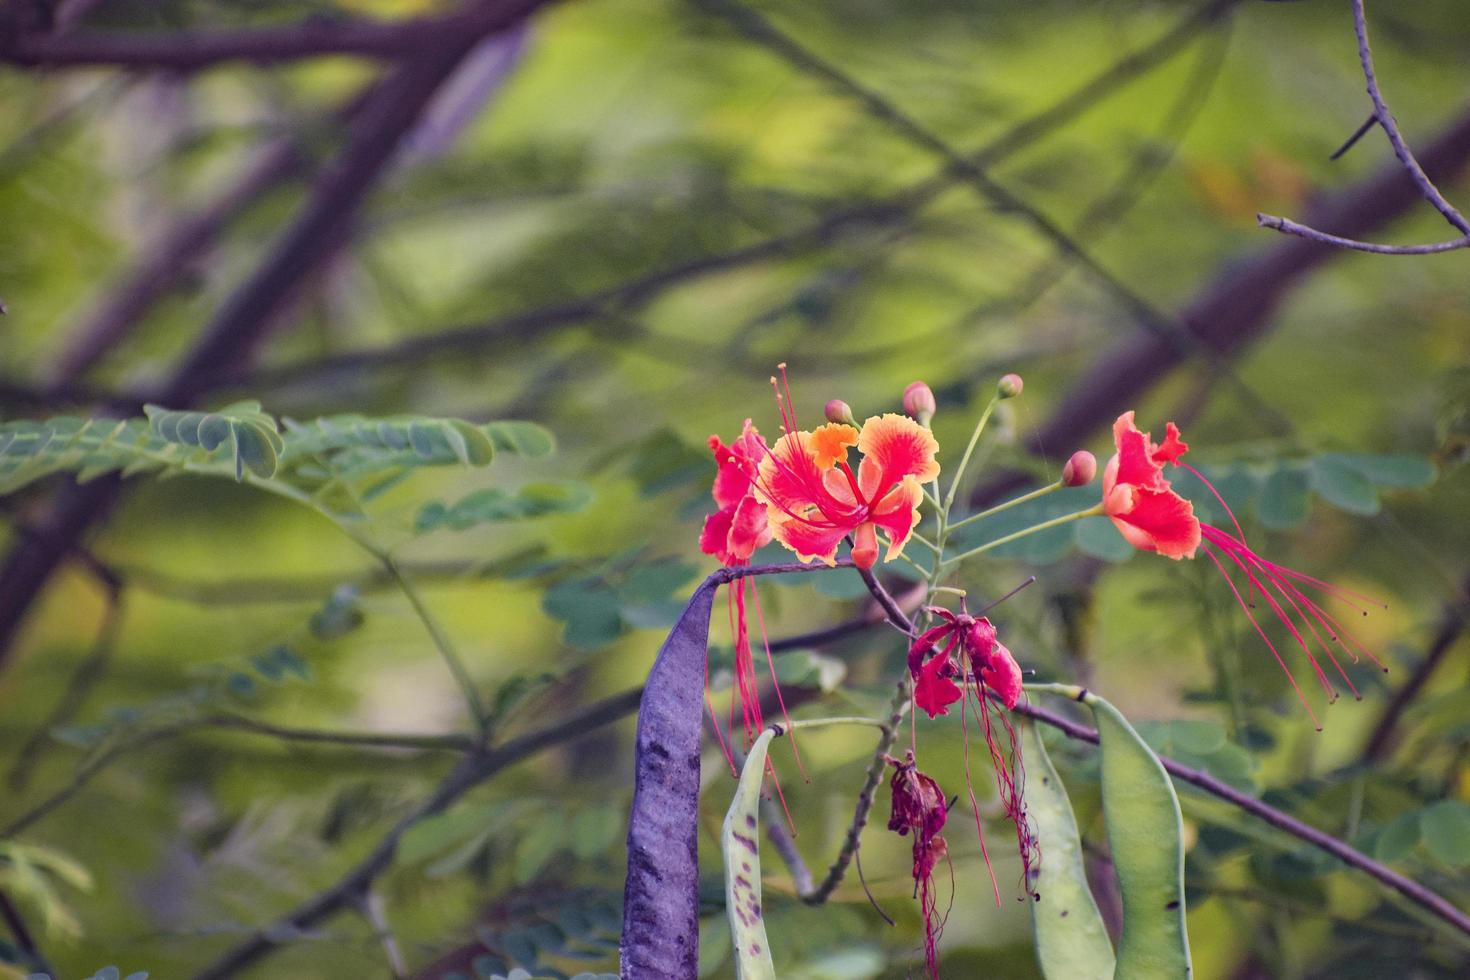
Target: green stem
1042, 492
954, 484
441, 641
916, 536
1069, 691
1093, 511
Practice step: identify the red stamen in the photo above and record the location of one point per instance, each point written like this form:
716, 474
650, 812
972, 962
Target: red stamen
1267, 640
975, 803
771, 663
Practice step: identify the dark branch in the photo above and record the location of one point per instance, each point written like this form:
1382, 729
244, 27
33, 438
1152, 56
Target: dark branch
1383, 116
1410, 889
193, 50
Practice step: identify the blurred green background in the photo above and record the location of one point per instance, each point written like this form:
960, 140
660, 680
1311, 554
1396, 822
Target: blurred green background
601, 146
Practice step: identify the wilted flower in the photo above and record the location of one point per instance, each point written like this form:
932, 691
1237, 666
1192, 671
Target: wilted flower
919, 808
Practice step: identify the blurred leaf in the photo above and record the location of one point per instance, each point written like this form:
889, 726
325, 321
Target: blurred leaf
1445, 829
495, 505
1398, 838
339, 615
538, 843
590, 610
664, 462
1342, 485
1286, 499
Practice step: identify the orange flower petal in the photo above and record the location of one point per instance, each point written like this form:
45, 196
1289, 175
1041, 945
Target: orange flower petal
827, 444
893, 447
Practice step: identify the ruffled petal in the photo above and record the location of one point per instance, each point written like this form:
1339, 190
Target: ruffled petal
749, 529
715, 538
898, 513
829, 443
792, 484
933, 691
1002, 675
1173, 447
893, 447
1134, 463
809, 541
1159, 521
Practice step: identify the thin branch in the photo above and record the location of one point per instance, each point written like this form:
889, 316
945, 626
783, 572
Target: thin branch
1289, 227
82, 681
1383, 116
1407, 887
192, 50
25, 940
379, 740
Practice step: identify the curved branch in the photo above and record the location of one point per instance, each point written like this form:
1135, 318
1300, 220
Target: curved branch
193, 50
1383, 116
1407, 887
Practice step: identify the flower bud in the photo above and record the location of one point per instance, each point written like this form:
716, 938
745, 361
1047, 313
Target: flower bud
1080, 469
1010, 386
840, 411
918, 401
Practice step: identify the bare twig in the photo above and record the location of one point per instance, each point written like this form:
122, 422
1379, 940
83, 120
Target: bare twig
1383, 117
25, 940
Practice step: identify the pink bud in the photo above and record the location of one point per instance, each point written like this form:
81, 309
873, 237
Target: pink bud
1010, 386
1080, 469
840, 411
918, 401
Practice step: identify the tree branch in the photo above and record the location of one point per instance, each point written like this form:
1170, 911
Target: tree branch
192, 50
1383, 116
1407, 887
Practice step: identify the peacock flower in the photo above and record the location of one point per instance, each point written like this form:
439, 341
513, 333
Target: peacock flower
814, 499
738, 526
962, 660
919, 808
733, 533
1153, 517
1138, 498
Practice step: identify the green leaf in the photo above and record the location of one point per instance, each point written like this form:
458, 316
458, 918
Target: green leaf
1071, 941
740, 843
1342, 485
1394, 472
594, 829
522, 438
664, 462
1286, 499
589, 608
1096, 536
1445, 830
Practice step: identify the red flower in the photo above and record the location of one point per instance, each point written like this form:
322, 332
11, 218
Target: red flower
973, 656
733, 533
919, 806
1139, 499
814, 499
738, 527
982, 657
1148, 512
